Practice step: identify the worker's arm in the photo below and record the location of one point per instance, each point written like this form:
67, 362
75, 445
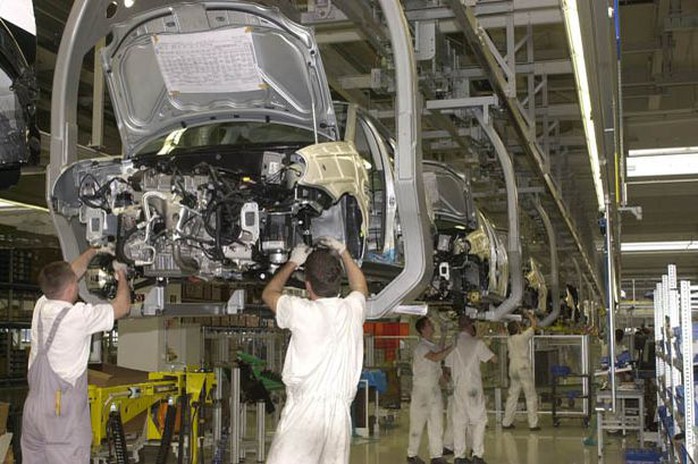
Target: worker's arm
357, 281
493, 359
274, 289
438, 356
79, 264
122, 301
534, 320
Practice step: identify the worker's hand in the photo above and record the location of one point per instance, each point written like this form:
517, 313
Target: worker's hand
119, 266
299, 254
333, 244
120, 274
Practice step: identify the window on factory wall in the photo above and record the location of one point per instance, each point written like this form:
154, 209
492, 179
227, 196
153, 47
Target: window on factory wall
662, 162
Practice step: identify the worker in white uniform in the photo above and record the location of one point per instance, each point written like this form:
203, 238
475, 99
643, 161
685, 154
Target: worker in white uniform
56, 419
521, 374
470, 414
426, 404
324, 356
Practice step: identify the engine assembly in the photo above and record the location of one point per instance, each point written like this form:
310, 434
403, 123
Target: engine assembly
210, 215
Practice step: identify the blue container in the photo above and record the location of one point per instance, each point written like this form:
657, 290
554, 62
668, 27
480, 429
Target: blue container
560, 371
642, 456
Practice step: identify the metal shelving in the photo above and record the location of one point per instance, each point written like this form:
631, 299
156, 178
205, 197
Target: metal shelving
675, 381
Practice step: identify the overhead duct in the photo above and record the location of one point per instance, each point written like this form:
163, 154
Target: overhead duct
554, 268
409, 188
514, 237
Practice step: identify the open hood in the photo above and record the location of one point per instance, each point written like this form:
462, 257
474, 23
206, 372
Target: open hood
188, 64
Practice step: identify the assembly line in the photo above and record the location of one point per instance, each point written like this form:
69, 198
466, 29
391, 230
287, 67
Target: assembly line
333, 232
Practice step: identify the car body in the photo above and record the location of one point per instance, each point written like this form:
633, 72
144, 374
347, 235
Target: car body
470, 259
228, 166
535, 289
20, 141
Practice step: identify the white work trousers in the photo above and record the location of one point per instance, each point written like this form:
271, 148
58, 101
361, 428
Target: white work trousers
312, 430
448, 430
426, 408
521, 378
469, 419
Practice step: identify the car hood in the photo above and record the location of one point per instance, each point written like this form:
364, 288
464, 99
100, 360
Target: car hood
187, 64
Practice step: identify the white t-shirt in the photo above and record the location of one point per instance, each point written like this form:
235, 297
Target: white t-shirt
519, 349
326, 351
70, 350
465, 360
424, 371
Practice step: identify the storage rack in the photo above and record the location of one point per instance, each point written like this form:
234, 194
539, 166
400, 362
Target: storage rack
675, 383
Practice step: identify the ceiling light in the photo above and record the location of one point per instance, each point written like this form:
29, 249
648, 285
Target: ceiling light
682, 164
574, 38
664, 151
648, 247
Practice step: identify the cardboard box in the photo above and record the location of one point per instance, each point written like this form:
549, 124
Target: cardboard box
109, 375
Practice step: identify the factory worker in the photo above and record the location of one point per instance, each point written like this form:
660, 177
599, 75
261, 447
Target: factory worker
426, 404
469, 415
56, 425
521, 374
324, 356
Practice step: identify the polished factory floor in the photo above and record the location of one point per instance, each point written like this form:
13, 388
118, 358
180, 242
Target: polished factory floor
561, 445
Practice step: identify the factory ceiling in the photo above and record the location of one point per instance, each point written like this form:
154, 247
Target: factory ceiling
658, 81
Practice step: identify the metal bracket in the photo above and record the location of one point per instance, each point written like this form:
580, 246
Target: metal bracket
634, 210
236, 302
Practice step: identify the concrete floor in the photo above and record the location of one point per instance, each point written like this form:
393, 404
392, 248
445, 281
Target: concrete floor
561, 445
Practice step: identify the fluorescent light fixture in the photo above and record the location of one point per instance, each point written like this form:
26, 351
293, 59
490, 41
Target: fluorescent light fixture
664, 151
650, 247
10, 205
574, 38
662, 165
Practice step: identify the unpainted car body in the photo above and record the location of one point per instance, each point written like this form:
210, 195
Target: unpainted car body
471, 267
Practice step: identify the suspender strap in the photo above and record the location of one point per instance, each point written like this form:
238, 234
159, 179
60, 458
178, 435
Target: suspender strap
52, 334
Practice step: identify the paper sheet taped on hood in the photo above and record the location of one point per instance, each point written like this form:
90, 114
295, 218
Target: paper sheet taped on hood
208, 62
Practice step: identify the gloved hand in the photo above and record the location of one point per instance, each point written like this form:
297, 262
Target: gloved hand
120, 274
300, 253
119, 266
333, 244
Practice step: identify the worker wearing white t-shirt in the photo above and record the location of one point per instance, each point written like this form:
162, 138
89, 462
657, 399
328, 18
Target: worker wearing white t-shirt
56, 419
324, 357
521, 374
469, 415
426, 404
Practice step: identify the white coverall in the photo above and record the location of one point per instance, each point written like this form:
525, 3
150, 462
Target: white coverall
521, 378
321, 373
426, 404
448, 430
468, 397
